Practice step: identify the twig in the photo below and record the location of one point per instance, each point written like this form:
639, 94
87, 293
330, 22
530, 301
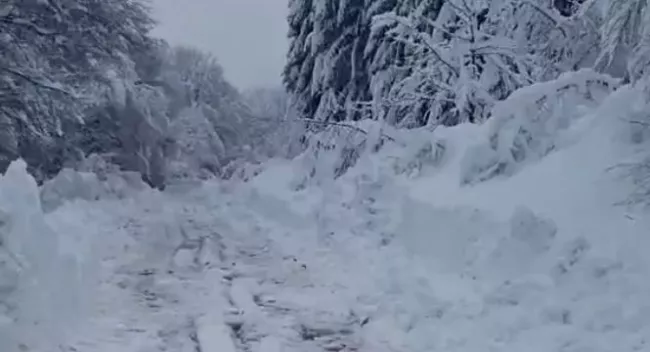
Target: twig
437, 26
636, 122
645, 124
545, 14
618, 166
460, 11
329, 123
582, 10
417, 34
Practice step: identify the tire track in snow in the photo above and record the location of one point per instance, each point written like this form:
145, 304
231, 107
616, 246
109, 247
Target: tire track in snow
257, 271
217, 273
157, 302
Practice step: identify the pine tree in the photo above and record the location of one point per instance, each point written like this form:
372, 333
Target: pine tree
389, 61
325, 70
626, 34
299, 67
460, 63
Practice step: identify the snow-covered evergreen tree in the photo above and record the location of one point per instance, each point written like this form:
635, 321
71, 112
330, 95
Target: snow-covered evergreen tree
429, 61
388, 59
461, 62
332, 57
625, 36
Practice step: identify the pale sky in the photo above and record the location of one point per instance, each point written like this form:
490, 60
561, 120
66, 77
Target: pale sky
247, 36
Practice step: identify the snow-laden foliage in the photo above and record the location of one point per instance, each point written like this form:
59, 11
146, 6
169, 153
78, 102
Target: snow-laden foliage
200, 152
325, 67
638, 171
337, 67
173, 111
331, 151
273, 123
624, 44
206, 110
54, 57
559, 37
389, 61
629, 106
85, 77
624, 30
528, 125
461, 62
429, 61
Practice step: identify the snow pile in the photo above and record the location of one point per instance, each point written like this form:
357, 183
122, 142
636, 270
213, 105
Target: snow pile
454, 259
95, 180
533, 121
39, 274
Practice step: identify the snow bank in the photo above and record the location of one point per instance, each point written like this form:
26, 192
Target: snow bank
533, 122
537, 259
92, 185
39, 280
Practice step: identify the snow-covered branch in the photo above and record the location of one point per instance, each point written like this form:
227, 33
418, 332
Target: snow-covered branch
549, 14
36, 82
25, 23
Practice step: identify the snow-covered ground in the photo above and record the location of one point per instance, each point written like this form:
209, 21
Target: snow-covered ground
416, 248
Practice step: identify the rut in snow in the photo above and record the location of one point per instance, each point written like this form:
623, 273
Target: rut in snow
196, 282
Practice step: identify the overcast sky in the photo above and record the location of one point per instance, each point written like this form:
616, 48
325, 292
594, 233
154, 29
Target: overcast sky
247, 36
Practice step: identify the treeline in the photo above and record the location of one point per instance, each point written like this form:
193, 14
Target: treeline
85, 77
428, 62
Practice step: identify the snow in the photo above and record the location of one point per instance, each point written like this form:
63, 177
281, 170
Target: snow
398, 253
39, 269
212, 332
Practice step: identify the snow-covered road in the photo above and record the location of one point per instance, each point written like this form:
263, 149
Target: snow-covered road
204, 273
249, 267
235, 269
238, 269
396, 255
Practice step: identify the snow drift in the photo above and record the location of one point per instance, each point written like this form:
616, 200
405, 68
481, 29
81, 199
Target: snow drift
40, 274
514, 223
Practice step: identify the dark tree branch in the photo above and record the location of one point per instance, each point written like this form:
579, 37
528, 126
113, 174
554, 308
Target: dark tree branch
355, 128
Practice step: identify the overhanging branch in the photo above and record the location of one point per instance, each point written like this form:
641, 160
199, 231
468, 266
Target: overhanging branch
35, 81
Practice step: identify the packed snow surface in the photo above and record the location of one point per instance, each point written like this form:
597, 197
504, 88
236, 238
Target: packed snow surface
414, 248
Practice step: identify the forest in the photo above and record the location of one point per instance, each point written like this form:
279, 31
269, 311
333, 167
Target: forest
84, 81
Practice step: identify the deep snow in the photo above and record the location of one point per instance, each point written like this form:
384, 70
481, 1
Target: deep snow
397, 254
